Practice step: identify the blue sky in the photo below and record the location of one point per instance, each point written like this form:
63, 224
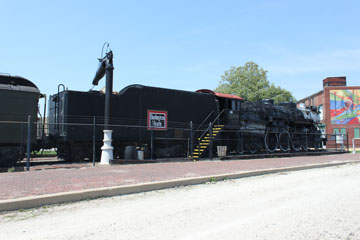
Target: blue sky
180, 44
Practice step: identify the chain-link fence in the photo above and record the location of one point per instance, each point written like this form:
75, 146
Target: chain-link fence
79, 141
262, 141
13, 142
281, 142
82, 139
337, 142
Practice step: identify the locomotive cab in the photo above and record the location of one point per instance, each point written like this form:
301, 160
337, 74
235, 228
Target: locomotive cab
228, 104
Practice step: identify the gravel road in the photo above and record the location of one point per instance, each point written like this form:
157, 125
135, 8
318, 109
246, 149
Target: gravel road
311, 204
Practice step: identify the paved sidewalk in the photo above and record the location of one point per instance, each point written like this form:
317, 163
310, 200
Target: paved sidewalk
52, 181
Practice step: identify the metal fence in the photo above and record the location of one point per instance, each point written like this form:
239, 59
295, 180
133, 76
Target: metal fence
82, 141
337, 142
15, 142
241, 142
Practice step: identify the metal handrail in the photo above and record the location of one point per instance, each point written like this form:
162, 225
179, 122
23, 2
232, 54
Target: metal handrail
218, 116
206, 118
210, 126
57, 107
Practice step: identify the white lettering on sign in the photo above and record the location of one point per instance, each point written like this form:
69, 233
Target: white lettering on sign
157, 120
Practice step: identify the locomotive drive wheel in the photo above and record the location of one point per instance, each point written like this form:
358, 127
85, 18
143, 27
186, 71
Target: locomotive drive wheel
271, 141
296, 142
251, 147
284, 141
253, 144
306, 143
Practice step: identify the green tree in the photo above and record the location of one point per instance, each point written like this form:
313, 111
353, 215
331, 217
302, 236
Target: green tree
250, 82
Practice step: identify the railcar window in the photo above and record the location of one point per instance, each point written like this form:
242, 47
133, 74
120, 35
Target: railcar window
238, 105
228, 103
233, 105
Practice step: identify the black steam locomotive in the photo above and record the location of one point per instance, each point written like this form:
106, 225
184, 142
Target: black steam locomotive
179, 123
165, 122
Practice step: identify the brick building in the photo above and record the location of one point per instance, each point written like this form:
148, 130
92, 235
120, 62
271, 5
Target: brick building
339, 107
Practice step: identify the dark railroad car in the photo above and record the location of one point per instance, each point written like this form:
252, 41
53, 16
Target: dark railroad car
18, 99
141, 115
133, 108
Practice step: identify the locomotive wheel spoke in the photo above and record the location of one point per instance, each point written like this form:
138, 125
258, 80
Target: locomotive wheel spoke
296, 142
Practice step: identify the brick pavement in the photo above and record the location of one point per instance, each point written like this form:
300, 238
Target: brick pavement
84, 177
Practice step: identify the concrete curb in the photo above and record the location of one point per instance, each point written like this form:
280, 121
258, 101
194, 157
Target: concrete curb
64, 197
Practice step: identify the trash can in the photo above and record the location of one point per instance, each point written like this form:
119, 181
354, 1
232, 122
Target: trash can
140, 155
130, 152
221, 151
340, 141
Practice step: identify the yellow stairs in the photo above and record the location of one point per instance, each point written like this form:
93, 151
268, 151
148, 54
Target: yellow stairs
205, 141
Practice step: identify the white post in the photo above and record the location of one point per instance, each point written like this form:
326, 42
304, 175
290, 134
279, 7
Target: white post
353, 142
107, 149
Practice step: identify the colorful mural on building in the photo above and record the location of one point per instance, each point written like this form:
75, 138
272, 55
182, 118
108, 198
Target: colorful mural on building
345, 106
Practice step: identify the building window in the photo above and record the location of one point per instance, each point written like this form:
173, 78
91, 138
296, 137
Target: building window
336, 130
356, 133
343, 131
321, 114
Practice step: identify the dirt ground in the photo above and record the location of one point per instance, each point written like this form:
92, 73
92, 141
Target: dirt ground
310, 204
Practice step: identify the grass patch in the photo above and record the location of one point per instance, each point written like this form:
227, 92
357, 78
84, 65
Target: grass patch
212, 180
49, 153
